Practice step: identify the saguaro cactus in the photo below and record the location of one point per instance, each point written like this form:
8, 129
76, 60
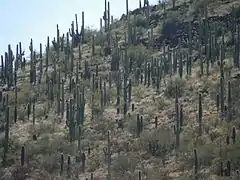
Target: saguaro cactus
22, 156
6, 143
196, 165
108, 153
200, 112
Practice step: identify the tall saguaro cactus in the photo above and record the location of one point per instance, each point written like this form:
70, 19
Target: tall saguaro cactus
126, 7
108, 153
6, 140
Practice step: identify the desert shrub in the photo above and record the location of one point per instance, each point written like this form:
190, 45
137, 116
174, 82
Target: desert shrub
50, 162
112, 93
124, 166
138, 54
207, 84
162, 137
171, 84
17, 172
101, 127
161, 102
88, 32
157, 173
21, 113
44, 127
40, 111
98, 40
93, 163
169, 26
206, 154
97, 111
132, 125
154, 16
116, 24
88, 36
141, 21
24, 93
139, 92
231, 152
40, 92
140, 31
12, 156
197, 7
46, 152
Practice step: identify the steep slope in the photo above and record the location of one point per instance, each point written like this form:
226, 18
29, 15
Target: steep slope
155, 96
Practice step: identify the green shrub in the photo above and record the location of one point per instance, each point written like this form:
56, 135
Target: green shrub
138, 54
164, 138
132, 125
141, 21
124, 166
172, 82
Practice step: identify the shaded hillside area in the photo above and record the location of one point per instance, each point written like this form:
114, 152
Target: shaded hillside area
151, 96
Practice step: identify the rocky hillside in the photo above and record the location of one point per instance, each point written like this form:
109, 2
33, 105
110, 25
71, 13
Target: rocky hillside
153, 95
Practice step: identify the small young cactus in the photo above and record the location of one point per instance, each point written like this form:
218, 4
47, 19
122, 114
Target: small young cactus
69, 166
61, 164
196, 166
22, 156
234, 135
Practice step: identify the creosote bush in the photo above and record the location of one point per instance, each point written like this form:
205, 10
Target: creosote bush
163, 138
141, 21
171, 84
138, 54
125, 166
132, 124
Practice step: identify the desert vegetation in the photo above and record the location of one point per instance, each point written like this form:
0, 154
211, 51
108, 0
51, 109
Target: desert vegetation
153, 95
